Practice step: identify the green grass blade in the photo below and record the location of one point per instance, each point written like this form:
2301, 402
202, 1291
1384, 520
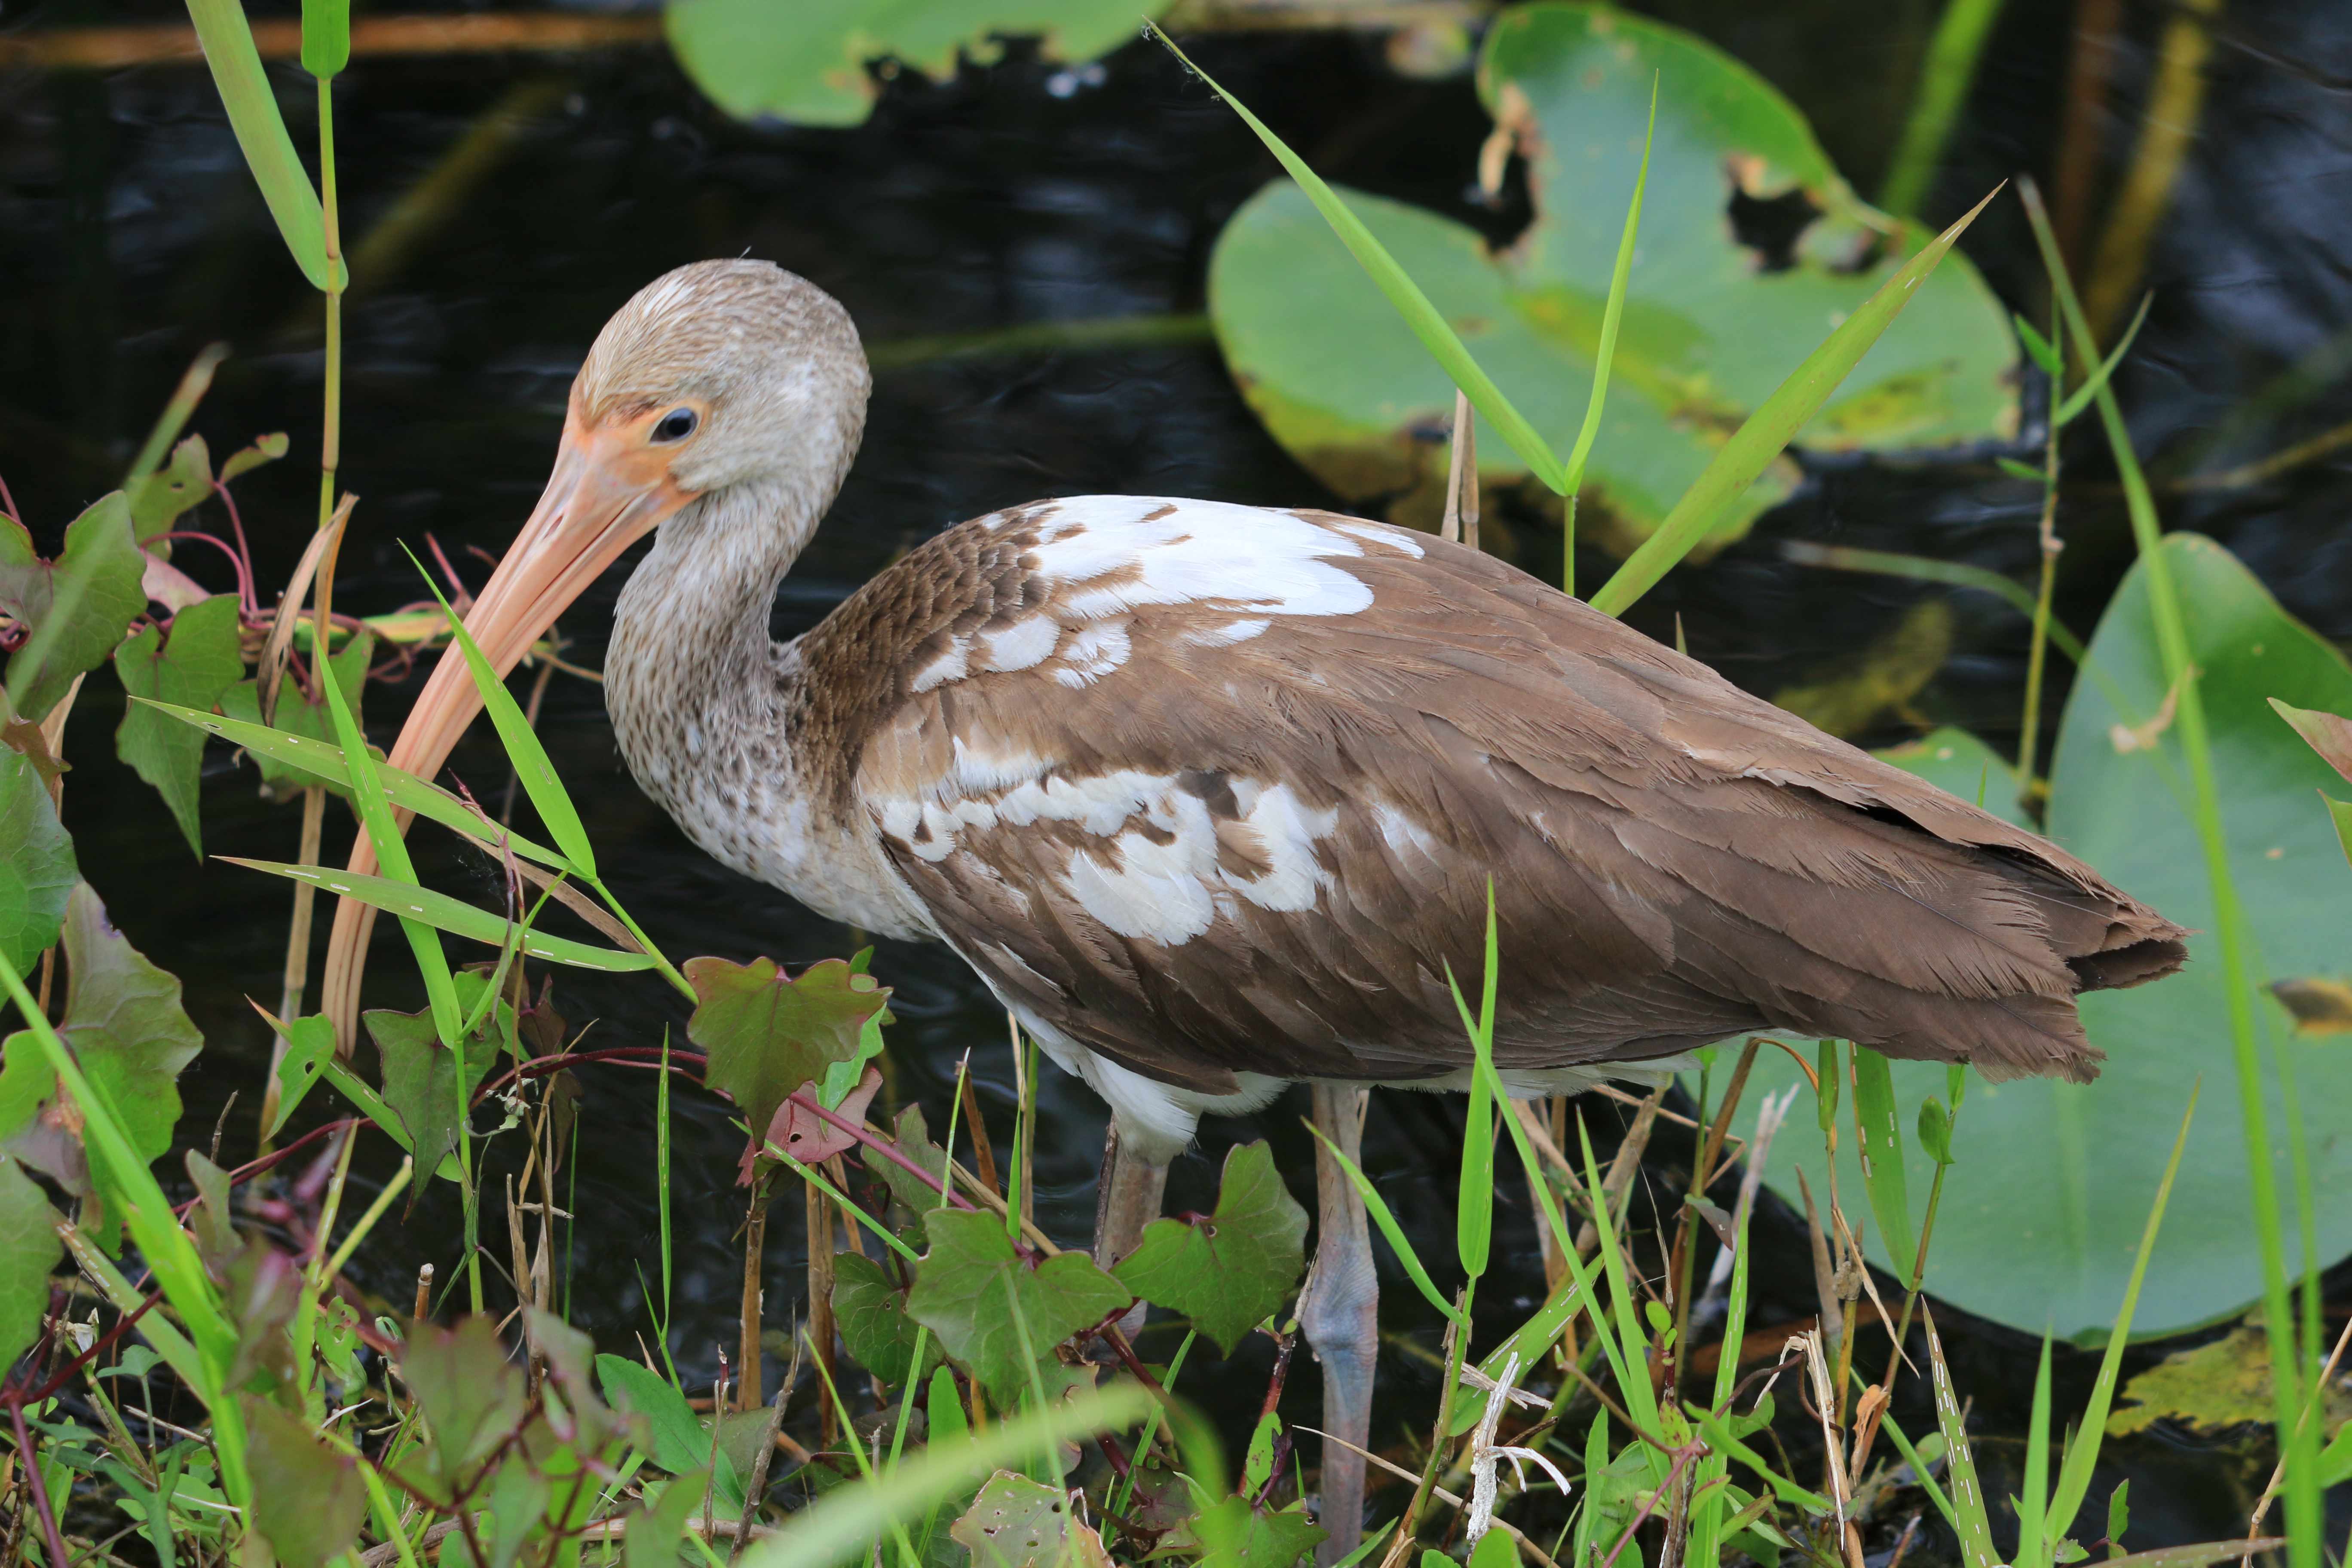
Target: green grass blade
1922, 1474
529, 758
442, 913
2075, 1476
1881, 1147
2034, 1539
2080, 398
261, 132
324, 760
1378, 1207
2305, 1521
1605, 352
1473, 1214
1927, 569
1944, 77
392, 852
1403, 294
1758, 441
844, 1522
1972, 1520
326, 36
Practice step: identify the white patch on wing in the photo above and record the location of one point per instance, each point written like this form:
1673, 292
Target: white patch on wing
951, 665
1286, 829
1400, 832
1093, 651
979, 767
1027, 641
1229, 633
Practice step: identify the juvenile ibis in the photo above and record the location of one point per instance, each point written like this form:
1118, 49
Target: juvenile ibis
1210, 795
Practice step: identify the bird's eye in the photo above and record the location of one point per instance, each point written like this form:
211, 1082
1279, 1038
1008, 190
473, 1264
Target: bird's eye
677, 424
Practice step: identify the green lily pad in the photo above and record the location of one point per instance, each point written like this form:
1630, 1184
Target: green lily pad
1711, 326
2044, 1208
805, 60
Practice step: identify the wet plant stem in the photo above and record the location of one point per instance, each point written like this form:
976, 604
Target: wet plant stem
2038, 648
1456, 1344
298, 954
820, 1313
750, 1385
38, 1490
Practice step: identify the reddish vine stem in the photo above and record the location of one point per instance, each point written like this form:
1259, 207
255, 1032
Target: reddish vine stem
40, 1488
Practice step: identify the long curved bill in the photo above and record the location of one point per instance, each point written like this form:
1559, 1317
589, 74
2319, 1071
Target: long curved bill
608, 490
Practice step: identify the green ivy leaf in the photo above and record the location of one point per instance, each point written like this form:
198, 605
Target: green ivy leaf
872, 1313
299, 714
1242, 1537
310, 1042
29, 1250
419, 1077
972, 1286
768, 1035
1016, 1522
307, 1499
193, 667
99, 576
159, 499
37, 863
472, 1397
913, 1137
1230, 1271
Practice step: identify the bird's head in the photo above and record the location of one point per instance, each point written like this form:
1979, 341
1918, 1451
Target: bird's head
722, 379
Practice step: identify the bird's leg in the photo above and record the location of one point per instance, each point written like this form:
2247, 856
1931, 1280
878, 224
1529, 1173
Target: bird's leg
1127, 1198
1338, 1311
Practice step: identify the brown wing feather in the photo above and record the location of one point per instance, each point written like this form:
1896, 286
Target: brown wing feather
1674, 862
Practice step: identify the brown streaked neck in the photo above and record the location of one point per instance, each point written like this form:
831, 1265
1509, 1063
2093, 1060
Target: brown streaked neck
691, 675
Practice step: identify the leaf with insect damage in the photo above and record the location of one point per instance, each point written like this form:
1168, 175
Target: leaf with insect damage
1238, 1535
37, 862
307, 1499
160, 499
1000, 1315
191, 666
1230, 1271
872, 1311
29, 1250
768, 1035
420, 1076
74, 609
1016, 1522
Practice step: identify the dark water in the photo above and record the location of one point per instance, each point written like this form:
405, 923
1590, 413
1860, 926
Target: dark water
129, 236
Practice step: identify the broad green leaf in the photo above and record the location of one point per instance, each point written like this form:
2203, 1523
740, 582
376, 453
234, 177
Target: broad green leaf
807, 62
321, 762
193, 667
1958, 764
767, 1034
1710, 328
654, 1533
442, 913
419, 1074
872, 1313
37, 863
914, 1141
1231, 1271
1016, 1522
2043, 1208
307, 1499
125, 1025
681, 1444
301, 716
310, 1043
77, 606
29, 1250
1244, 1537
159, 498
470, 1394
973, 1284
261, 132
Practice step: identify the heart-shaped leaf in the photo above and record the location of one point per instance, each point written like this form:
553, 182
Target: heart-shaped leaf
37, 862
1230, 1271
872, 1313
420, 1076
2050, 1183
193, 667
307, 1499
29, 1250
769, 1033
1752, 250
1016, 1522
996, 1313
94, 582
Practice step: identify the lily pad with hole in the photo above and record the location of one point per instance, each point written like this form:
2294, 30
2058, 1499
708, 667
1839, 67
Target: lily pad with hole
1752, 250
2051, 1182
806, 60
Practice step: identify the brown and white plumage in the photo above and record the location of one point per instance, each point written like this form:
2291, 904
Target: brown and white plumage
1211, 795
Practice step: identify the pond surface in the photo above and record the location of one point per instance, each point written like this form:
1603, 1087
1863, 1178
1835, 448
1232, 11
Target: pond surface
129, 236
